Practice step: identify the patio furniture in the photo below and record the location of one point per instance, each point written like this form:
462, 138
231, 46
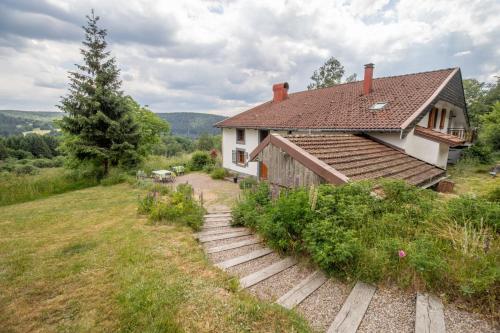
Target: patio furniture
179, 169
163, 176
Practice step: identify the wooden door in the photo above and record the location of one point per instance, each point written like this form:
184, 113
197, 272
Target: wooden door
263, 171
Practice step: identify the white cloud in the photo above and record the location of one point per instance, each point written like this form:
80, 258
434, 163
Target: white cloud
224, 56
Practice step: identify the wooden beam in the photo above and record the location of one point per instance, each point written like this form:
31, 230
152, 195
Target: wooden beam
353, 310
267, 272
205, 239
216, 225
218, 232
301, 291
429, 315
244, 258
231, 246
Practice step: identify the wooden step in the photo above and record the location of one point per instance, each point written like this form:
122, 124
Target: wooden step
205, 239
218, 220
216, 225
244, 258
219, 231
219, 215
267, 272
232, 246
429, 315
353, 310
301, 291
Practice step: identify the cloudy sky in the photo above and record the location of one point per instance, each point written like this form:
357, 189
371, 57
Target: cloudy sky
223, 56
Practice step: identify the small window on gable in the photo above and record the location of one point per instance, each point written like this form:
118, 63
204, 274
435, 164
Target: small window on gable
240, 135
378, 106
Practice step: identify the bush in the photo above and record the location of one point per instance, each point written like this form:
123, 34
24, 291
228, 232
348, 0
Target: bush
478, 152
477, 211
25, 170
332, 247
283, 223
248, 211
199, 160
48, 163
218, 173
248, 182
177, 207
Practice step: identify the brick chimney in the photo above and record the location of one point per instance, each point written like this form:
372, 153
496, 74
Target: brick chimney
368, 81
280, 91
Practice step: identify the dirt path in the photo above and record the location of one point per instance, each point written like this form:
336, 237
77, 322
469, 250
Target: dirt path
217, 194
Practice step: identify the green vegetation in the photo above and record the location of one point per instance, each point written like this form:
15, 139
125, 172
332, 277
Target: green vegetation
329, 74
17, 122
218, 173
99, 125
472, 177
405, 235
173, 206
20, 188
85, 262
199, 160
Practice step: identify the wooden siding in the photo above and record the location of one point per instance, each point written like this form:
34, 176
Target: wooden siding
285, 171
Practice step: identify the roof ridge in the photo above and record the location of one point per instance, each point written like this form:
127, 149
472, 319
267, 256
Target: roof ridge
375, 78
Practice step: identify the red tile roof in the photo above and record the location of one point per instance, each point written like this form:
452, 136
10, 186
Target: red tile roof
428, 133
344, 107
354, 157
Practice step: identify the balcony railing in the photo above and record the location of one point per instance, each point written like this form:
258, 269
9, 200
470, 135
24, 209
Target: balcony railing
462, 133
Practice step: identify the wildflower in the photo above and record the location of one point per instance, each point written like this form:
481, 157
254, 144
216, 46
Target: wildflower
401, 253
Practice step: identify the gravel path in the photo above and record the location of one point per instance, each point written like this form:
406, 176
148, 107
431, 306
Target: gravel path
458, 321
321, 307
391, 310
254, 265
225, 255
279, 284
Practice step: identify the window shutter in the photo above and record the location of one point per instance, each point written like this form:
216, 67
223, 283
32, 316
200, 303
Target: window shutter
246, 159
234, 156
443, 117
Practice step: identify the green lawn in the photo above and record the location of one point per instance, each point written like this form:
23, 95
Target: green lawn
84, 261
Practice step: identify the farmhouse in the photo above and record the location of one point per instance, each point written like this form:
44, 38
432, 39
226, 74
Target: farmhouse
397, 127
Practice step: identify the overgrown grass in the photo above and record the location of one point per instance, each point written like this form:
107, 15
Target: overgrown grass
21, 188
85, 262
167, 205
473, 177
408, 236
156, 162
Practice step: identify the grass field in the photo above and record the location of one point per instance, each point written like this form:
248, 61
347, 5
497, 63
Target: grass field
84, 261
473, 178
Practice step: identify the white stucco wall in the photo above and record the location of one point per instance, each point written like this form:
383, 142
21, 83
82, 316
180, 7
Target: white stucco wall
424, 149
229, 144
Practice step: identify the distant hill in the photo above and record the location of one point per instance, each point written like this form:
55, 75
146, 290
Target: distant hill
182, 123
192, 124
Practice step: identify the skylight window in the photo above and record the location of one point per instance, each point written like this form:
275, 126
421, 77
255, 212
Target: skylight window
378, 106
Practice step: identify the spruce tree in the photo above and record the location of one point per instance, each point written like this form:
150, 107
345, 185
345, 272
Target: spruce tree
98, 125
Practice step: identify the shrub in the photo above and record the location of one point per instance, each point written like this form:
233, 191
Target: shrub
248, 211
478, 211
48, 163
199, 160
479, 152
332, 247
178, 207
248, 182
283, 223
25, 170
218, 173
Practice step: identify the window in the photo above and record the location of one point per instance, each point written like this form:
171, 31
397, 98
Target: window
240, 157
432, 118
443, 117
240, 135
378, 106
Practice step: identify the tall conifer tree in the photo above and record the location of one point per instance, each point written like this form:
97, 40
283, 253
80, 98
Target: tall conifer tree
98, 125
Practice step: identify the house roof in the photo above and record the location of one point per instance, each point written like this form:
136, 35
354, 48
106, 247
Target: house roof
430, 134
343, 107
355, 157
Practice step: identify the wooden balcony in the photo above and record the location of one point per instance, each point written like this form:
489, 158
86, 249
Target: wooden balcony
462, 133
